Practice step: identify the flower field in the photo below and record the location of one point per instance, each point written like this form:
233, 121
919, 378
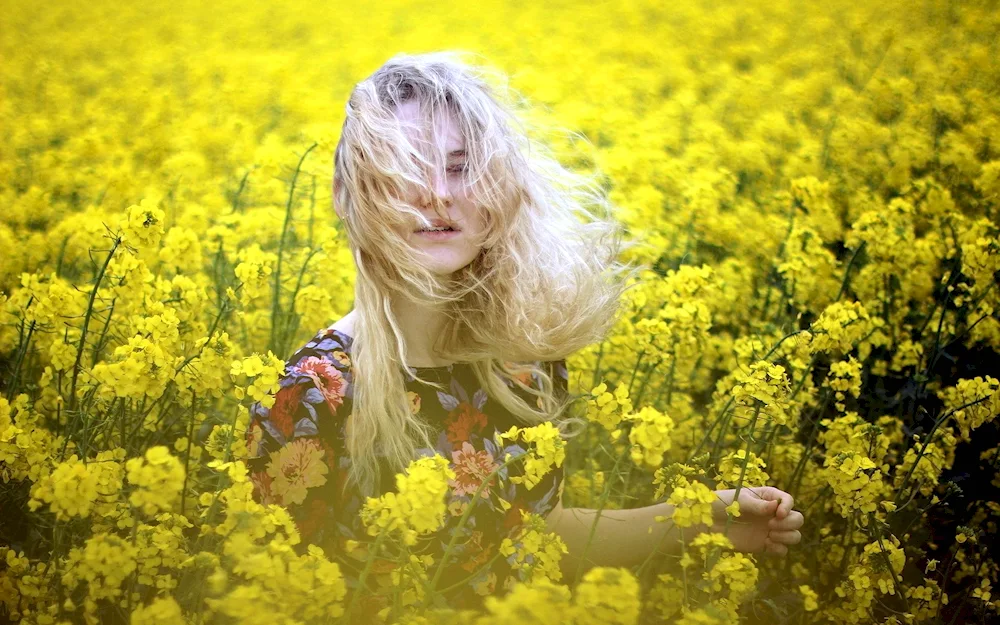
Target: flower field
815, 191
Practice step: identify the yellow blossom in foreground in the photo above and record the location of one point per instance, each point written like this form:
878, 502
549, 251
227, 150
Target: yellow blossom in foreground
763, 390
419, 505
161, 611
606, 408
70, 490
264, 374
607, 595
809, 598
692, 503
534, 552
541, 601
650, 436
158, 478
143, 224
840, 326
735, 468
548, 450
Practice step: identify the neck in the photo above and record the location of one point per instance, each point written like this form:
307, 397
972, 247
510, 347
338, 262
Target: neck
420, 325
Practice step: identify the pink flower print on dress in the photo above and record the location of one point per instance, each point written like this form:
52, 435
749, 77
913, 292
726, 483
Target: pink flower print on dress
328, 379
471, 468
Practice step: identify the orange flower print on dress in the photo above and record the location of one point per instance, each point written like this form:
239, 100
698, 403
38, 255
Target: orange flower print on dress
328, 379
286, 404
262, 487
463, 421
471, 468
480, 554
523, 378
295, 468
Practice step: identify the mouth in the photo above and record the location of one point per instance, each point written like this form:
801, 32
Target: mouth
438, 225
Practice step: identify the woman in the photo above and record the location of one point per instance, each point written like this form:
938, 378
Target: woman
475, 250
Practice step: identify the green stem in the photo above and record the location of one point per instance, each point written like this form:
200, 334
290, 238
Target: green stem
600, 509
461, 525
86, 323
276, 303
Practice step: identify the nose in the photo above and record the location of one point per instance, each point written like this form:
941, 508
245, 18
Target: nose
439, 188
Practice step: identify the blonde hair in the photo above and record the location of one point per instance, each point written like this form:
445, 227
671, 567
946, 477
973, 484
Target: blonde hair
546, 283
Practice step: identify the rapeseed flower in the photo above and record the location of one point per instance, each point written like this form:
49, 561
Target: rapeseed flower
418, 507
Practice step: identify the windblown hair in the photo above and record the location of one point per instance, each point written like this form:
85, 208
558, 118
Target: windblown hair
547, 282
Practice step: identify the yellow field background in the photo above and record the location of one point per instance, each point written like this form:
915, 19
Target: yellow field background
816, 188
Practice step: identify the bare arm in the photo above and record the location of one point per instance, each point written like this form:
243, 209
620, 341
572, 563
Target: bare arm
625, 538
621, 538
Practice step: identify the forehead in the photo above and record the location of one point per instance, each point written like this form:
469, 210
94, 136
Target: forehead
447, 133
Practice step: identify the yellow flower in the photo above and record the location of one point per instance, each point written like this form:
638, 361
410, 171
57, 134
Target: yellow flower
70, 490
607, 408
809, 598
692, 503
143, 224
158, 478
418, 507
547, 450
607, 595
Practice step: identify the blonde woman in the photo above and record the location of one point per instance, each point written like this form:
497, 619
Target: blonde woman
481, 264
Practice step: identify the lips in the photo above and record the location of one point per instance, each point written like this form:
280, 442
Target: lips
439, 223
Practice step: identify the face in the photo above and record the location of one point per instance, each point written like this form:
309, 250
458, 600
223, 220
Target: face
444, 252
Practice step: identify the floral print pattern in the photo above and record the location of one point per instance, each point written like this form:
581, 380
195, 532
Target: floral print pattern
298, 460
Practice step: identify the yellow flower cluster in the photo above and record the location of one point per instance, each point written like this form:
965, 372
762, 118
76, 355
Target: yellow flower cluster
254, 270
74, 488
985, 392
607, 595
736, 468
534, 552
840, 327
692, 503
547, 450
264, 374
70, 489
158, 478
606, 408
844, 378
143, 224
762, 390
650, 436
541, 601
734, 573
856, 481
141, 369
417, 507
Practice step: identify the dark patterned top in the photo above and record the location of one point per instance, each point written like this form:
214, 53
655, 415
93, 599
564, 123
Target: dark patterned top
298, 459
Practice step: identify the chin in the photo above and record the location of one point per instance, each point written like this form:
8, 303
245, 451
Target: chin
447, 265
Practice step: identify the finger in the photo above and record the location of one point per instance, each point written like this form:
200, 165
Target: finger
776, 548
785, 507
785, 537
793, 521
783, 501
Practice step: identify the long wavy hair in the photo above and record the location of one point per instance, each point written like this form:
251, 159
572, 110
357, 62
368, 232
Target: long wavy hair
547, 281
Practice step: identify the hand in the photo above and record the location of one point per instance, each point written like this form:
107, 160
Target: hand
766, 523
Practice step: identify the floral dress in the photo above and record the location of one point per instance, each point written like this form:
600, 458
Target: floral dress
298, 459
